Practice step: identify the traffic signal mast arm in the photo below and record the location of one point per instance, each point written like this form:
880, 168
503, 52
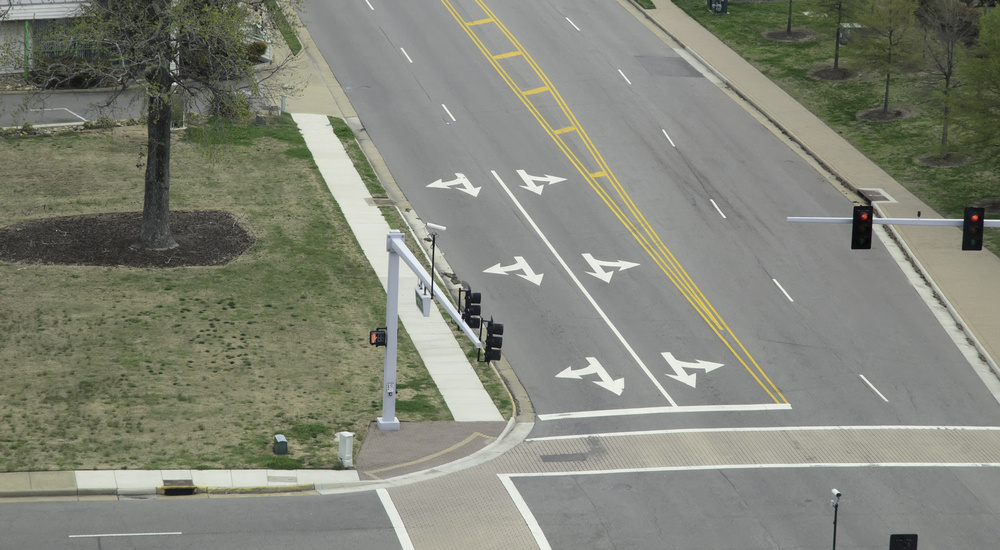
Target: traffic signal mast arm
894, 221
394, 243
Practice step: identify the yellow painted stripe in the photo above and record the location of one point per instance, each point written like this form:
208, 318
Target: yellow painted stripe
633, 219
536, 90
506, 55
479, 22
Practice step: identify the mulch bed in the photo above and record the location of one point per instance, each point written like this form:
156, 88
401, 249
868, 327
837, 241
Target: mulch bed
204, 238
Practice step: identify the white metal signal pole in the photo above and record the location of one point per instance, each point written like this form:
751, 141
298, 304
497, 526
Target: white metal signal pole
388, 420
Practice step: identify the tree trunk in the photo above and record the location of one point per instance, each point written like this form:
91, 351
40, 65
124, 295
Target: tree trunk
788, 29
155, 231
836, 45
885, 105
947, 113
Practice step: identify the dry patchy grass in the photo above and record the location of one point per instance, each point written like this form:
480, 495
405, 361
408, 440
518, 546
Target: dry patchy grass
193, 367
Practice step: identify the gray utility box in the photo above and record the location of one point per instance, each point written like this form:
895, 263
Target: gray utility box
280, 445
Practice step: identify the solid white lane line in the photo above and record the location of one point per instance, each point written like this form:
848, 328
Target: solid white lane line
607, 413
370, 5
522, 506
590, 298
783, 290
572, 23
873, 388
764, 467
449, 112
397, 522
123, 535
668, 138
406, 54
625, 77
717, 208
767, 429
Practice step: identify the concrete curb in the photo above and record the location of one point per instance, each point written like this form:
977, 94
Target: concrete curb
843, 180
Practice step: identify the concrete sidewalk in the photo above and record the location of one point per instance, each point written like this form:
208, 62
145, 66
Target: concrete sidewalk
432, 336
965, 281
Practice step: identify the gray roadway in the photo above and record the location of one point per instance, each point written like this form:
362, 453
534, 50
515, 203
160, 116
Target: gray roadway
853, 312
349, 521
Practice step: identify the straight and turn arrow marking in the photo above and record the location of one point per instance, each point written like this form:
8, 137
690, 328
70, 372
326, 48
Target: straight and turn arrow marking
596, 265
529, 181
681, 375
461, 180
519, 265
614, 386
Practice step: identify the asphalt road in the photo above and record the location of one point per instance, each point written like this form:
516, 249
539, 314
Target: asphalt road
698, 200
738, 509
238, 523
665, 171
65, 107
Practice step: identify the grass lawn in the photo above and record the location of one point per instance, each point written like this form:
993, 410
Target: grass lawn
892, 145
192, 367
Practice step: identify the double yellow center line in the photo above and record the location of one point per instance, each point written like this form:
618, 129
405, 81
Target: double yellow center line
599, 176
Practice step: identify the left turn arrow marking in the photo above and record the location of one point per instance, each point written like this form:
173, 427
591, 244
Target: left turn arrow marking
460, 180
520, 264
615, 386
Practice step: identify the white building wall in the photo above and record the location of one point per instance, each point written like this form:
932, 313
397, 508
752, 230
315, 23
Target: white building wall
11, 46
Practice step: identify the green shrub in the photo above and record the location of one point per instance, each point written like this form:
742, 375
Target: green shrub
256, 50
68, 71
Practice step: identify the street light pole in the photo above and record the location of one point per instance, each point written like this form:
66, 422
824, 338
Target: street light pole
836, 507
435, 227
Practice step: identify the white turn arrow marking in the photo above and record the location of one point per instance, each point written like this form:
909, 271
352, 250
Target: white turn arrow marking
614, 386
605, 276
460, 179
681, 375
529, 181
519, 265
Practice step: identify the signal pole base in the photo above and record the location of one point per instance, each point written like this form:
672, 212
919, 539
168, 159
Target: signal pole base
388, 425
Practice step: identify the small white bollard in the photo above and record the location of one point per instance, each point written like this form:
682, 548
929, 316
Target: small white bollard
345, 451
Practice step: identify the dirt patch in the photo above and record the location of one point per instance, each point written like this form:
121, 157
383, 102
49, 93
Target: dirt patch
992, 205
879, 115
797, 35
946, 160
207, 237
829, 73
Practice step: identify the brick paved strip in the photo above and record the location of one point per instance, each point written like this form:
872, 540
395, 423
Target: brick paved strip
863, 445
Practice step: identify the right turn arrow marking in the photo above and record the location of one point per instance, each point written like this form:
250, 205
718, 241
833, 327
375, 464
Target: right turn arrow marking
683, 376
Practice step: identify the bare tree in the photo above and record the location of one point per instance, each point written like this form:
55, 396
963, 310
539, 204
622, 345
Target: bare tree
840, 10
947, 25
888, 40
980, 112
164, 47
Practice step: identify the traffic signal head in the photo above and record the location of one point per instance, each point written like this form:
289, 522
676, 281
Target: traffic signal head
972, 229
472, 310
861, 227
494, 340
377, 337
